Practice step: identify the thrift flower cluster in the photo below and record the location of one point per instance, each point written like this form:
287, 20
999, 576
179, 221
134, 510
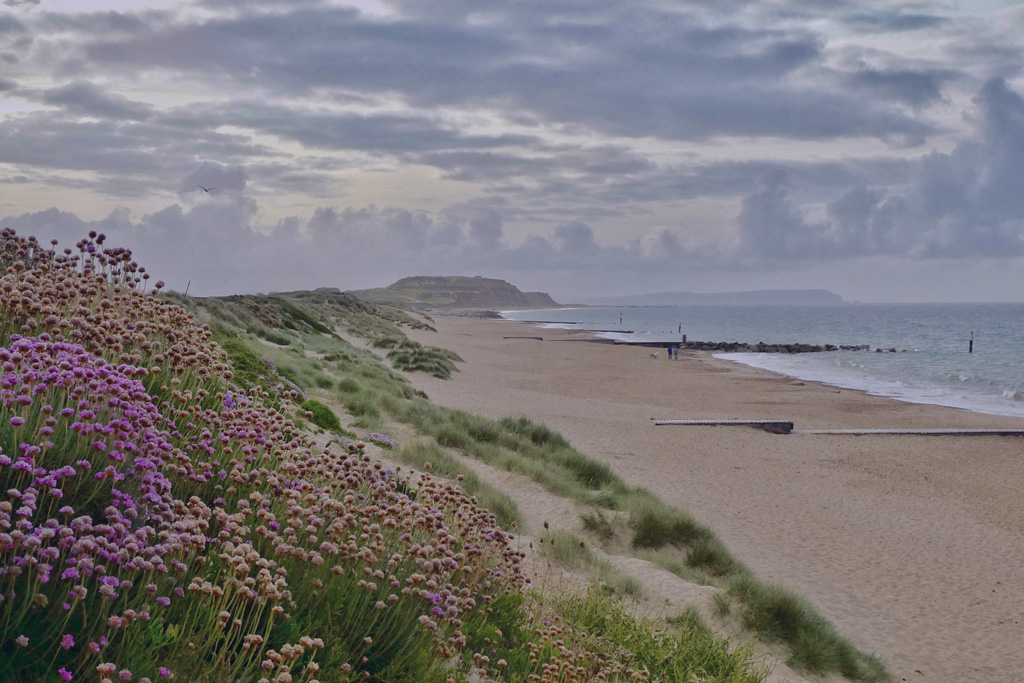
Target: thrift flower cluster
157, 522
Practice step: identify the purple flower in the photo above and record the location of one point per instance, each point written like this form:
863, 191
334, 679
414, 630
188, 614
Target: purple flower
67, 642
65, 674
17, 421
22, 640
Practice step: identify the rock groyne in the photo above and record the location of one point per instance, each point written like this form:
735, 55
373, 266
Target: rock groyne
761, 347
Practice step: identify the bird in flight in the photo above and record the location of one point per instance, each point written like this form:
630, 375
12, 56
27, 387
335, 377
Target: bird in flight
205, 189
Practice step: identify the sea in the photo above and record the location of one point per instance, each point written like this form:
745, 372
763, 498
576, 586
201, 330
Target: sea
968, 356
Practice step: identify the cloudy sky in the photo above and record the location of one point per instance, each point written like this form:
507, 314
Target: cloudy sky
579, 147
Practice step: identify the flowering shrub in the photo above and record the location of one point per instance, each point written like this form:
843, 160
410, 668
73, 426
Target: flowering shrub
159, 522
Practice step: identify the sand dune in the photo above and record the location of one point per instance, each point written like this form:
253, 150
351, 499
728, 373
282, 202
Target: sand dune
912, 545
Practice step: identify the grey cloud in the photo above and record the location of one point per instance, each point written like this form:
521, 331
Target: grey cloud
303, 178
966, 203
576, 237
915, 88
382, 132
614, 69
109, 23
15, 39
487, 230
88, 99
9, 24
773, 227
895, 21
130, 158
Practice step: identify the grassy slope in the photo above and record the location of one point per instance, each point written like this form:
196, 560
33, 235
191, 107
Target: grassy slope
294, 331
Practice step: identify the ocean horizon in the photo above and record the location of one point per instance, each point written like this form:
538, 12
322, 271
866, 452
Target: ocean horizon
967, 356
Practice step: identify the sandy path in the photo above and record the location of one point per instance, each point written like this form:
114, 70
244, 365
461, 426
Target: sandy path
913, 546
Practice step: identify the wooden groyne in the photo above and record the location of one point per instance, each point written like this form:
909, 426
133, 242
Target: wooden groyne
787, 427
772, 426
940, 431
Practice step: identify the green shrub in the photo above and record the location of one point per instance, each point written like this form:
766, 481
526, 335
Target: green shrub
323, 416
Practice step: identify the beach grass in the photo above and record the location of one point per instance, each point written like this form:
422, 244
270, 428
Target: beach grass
782, 615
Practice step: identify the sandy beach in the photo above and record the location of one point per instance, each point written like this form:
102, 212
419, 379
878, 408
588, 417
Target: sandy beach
912, 545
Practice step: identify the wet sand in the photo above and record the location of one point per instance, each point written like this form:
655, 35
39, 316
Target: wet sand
912, 545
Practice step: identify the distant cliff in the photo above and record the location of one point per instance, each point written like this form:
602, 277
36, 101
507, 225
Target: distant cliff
763, 297
456, 291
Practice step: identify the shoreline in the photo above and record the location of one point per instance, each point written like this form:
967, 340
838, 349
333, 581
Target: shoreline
773, 358
911, 545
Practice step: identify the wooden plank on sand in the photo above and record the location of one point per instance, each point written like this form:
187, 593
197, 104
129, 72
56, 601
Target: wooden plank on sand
952, 431
773, 426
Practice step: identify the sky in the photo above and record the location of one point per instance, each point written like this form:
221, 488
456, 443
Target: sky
874, 148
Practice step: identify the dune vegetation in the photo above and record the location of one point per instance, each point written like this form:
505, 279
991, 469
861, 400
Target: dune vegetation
183, 502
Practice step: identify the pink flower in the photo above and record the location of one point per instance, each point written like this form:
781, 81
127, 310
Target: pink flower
67, 642
65, 674
22, 640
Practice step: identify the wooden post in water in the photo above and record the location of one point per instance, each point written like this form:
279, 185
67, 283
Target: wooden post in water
970, 344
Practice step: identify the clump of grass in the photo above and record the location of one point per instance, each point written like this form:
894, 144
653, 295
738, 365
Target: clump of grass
780, 614
673, 560
710, 556
656, 525
348, 386
690, 619
536, 433
595, 521
682, 653
431, 361
272, 336
721, 604
589, 472
568, 548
